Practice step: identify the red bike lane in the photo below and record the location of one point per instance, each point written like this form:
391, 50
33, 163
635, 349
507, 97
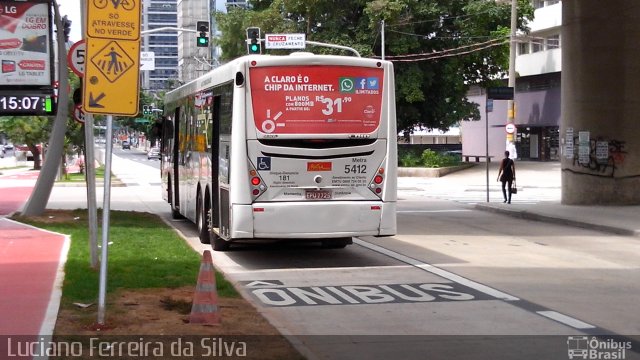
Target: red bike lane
30, 263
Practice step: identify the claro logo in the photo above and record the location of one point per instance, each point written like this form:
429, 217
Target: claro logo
319, 166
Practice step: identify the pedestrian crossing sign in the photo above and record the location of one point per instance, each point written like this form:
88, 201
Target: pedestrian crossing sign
113, 61
112, 77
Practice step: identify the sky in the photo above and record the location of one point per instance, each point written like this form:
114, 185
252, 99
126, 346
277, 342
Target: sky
71, 8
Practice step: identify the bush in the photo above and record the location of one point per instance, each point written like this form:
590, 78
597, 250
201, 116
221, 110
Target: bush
410, 160
429, 158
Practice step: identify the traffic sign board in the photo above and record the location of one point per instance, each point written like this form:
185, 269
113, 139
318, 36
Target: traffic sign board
500, 93
147, 60
510, 128
284, 41
112, 77
113, 19
78, 114
76, 57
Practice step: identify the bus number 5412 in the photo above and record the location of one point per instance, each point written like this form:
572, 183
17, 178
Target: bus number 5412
355, 169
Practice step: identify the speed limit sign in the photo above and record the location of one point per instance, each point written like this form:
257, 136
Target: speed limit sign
76, 57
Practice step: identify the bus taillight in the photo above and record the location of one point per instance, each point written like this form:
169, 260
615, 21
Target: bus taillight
258, 186
377, 183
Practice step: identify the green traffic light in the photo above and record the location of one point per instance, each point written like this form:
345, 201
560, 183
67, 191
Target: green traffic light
254, 48
202, 41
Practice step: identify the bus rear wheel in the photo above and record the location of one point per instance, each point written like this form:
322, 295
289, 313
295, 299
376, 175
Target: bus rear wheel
175, 212
202, 222
218, 243
337, 243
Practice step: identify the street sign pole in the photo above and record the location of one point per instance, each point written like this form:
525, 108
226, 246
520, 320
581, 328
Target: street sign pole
106, 206
89, 152
111, 87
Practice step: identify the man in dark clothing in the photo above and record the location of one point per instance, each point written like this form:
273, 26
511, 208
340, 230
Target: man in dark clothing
506, 175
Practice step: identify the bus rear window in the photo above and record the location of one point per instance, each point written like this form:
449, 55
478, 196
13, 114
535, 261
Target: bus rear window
316, 99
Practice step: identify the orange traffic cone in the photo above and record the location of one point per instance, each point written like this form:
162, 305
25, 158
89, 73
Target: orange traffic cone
205, 301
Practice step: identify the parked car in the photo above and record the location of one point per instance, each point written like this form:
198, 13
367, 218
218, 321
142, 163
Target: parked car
154, 153
126, 145
8, 147
22, 152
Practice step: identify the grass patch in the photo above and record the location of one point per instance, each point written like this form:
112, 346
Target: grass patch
80, 177
145, 253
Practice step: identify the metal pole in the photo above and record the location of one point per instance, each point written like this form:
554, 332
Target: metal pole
89, 168
382, 37
334, 46
105, 222
486, 142
511, 111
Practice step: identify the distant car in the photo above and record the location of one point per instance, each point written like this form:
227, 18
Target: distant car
126, 145
154, 153
8, 147
23, 152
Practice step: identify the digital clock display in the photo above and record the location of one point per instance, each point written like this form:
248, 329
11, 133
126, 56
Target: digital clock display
30, 104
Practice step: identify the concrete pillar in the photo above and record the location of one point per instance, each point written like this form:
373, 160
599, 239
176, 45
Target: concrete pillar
600, 128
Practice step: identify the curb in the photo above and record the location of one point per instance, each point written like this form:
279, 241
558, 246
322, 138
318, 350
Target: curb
528, 215
117, 183
431, 172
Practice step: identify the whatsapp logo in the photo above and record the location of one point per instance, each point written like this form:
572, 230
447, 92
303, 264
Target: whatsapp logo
347, 85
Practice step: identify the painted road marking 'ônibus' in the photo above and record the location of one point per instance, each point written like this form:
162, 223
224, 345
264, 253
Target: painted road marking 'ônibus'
365, 294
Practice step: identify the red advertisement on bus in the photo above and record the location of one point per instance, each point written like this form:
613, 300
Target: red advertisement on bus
316, 99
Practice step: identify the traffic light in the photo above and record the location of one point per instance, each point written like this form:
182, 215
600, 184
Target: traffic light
146, 110
254, 46
66, 27
203, 38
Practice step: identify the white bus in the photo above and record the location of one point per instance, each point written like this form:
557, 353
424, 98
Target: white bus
284, 147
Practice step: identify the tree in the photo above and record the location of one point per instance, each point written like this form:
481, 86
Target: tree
440, 48
28, 130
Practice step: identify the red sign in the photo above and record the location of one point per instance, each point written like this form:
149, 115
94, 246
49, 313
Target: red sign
32, 65
319, 166
76, 57
10, 44
78, 114
316, 99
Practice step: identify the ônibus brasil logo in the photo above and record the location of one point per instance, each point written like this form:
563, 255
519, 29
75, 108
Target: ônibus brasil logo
583, 347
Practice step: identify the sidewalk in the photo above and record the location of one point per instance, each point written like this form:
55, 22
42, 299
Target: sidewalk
539, 184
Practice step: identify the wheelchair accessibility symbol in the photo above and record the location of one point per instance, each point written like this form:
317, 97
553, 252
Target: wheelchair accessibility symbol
264, 163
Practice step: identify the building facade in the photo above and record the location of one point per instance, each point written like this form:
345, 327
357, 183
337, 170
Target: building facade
537, 95
193, 61
164, 45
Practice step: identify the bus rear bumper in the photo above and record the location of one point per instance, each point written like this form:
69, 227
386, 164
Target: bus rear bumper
314, 220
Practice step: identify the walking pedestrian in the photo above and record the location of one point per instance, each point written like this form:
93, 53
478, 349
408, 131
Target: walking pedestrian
506, 175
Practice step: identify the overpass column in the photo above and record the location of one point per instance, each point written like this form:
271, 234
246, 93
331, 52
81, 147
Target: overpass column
600, 128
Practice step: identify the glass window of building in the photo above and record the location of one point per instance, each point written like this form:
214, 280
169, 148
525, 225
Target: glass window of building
523, 48
537, 4
553, 42
537, 45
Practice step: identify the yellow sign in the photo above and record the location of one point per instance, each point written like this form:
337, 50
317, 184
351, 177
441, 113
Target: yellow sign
111, 77
113, 19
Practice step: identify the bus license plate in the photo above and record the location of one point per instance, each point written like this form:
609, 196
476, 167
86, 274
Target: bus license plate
317, 194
